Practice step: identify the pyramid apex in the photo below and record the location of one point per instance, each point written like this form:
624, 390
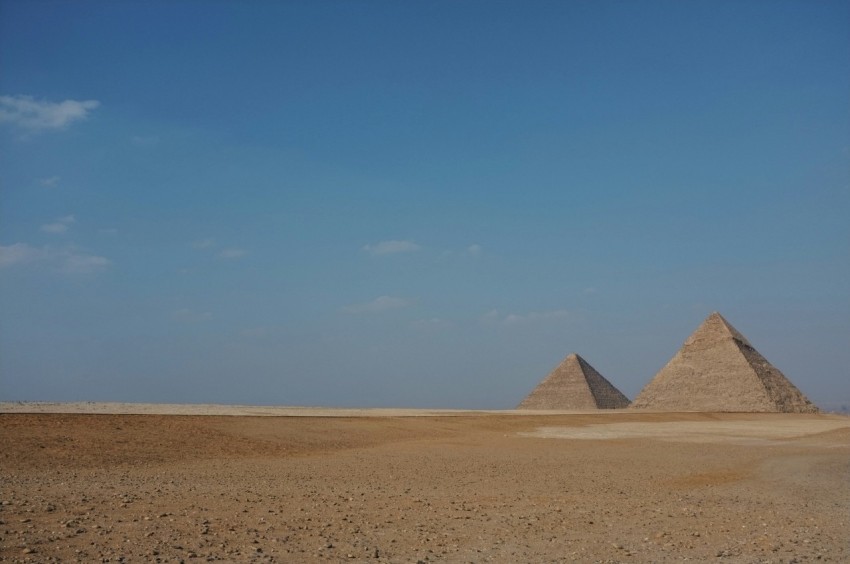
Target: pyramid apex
716, 316
716, 327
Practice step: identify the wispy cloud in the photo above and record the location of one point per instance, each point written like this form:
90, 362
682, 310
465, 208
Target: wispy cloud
232, 253
491, 317
391, 248
432, 323
19, 253
514, 318
49, 182
494, 317
472, 250
70, 259
256, 332
186, 315
82, 263
144, 140
209, 245
59, 226
203, 243
379, 304
38, 115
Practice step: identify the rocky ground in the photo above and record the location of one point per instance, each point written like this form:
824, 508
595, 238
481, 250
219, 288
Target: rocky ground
465, 488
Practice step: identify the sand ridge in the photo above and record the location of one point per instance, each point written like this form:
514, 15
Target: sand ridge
738, 432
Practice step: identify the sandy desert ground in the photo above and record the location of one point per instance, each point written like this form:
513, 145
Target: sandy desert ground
405, 486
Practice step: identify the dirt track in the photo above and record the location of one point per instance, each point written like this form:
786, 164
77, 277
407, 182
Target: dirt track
465, 488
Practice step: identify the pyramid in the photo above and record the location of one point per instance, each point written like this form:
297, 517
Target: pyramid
717, 369
574, 384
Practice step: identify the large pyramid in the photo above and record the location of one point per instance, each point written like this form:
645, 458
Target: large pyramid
717, 369
574, 384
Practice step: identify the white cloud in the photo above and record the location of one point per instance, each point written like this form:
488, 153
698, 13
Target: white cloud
70, 260
432, 323
491, 316
60, 225
49, 182
203, 243
255, 332
82, 263
19, 253
37, 115
187, 315
494, 316
382, 303
232, 253
57, 228
144, 140
472, 250
391, 247
514, 318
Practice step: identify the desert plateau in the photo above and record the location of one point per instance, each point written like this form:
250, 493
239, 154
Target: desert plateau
104, 484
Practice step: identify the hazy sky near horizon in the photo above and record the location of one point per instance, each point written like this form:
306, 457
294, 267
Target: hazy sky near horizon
415, 204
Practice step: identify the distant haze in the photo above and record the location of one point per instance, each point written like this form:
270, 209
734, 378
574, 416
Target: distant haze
416, 204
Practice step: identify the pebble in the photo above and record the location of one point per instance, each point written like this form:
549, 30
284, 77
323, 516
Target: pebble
535, 530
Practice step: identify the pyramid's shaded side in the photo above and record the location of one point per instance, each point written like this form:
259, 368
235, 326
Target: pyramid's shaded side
717, 369
574, 384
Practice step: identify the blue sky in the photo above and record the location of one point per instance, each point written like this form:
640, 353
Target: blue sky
415, 204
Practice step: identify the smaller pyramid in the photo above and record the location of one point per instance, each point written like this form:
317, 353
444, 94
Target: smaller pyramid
574, 384
717, 369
